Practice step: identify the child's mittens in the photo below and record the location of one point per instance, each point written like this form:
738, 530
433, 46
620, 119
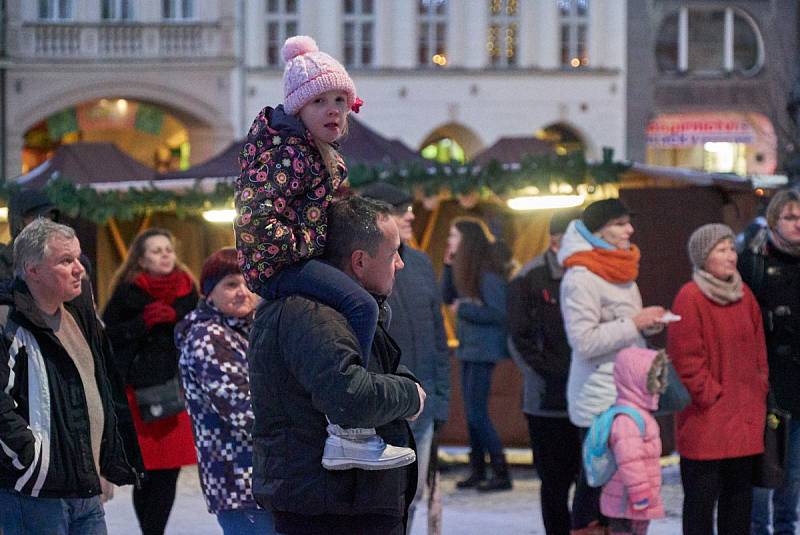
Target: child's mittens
641, 505
158, 312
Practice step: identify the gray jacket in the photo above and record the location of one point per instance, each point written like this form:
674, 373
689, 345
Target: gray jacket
418, 329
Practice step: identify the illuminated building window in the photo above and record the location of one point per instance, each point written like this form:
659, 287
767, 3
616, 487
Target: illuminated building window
503, 39
709, 42
445, 150
281, 19
359, 33
574, 18
432, 16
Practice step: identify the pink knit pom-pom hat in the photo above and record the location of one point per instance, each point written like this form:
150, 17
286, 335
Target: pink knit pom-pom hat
309, 73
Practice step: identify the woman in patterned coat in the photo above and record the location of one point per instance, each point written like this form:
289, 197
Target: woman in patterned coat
213, 341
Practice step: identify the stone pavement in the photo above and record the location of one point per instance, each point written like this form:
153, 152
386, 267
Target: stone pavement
514, 512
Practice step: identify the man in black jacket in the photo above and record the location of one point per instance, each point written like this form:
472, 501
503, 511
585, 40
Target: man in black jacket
61, 420
305, 364
770, 265
539, 347
418, 327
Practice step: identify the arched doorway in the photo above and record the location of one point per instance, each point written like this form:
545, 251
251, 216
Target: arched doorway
451, 142
145, 131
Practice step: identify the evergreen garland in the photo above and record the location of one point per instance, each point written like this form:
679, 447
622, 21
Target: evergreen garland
502, 179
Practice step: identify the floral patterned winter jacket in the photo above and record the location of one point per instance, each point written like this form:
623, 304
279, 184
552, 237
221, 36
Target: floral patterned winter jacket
281, 196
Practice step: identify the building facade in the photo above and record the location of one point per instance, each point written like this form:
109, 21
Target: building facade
709, 83
174, 81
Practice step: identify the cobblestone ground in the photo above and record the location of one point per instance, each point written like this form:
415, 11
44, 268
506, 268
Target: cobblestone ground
465, 512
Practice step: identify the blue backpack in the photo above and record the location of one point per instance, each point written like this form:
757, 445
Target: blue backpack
598, 459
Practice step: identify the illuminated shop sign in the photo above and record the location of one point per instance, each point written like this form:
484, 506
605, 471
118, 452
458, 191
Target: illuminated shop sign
686, 130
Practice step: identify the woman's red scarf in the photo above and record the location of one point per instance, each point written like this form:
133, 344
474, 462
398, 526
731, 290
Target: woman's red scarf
617, 266
165, 288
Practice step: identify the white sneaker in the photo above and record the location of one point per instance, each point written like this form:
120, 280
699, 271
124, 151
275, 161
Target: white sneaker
362, 448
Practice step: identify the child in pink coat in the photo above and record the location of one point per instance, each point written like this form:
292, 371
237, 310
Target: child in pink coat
632, 497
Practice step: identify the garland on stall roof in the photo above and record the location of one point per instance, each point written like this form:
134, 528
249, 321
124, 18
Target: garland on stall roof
502, 179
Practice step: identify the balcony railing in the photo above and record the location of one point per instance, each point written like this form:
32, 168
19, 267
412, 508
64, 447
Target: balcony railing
121, 40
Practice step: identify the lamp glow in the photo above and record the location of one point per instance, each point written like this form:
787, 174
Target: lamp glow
545, 202
219, 216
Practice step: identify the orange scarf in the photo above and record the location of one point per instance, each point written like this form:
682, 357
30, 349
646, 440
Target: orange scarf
617, 266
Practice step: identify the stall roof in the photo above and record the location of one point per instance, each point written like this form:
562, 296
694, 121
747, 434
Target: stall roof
362, 145
692, 176
512, 150
87, 163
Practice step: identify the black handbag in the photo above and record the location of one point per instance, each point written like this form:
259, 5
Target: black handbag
769, 469
160, 401
675, 398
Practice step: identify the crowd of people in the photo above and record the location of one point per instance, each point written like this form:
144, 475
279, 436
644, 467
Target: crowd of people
306, 372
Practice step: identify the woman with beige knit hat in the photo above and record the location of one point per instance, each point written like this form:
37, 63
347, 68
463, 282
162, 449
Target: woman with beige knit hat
719, 352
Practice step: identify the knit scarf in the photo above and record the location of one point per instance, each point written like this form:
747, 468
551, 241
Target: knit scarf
720, 291
165, 288
616, 266
783, 245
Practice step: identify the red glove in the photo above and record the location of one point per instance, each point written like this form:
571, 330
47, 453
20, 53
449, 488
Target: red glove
158, 312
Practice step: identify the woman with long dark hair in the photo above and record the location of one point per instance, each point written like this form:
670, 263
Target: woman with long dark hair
152, 291
474, 285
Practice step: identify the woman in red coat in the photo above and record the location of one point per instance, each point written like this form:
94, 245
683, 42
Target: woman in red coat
719, 352
152, 292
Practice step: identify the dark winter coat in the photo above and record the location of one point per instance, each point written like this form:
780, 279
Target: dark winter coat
418, 329
213, 366
145, 357
480, 326
774, 277
282, 194
295, 381
537, 333
44, 423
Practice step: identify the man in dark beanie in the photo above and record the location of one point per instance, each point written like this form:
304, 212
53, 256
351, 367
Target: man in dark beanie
540, 349
23, 207
417, 327
770, 266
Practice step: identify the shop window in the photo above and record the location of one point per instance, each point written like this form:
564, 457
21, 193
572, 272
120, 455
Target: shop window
709, 42
445, 150
55, 9
503, 33
281, 19
359, 33
178, 9
574, 32
725, 158
120, 10
432, 16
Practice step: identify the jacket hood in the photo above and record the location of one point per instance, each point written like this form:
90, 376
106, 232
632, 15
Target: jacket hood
634, 367
272, 127
572, 242
205, 312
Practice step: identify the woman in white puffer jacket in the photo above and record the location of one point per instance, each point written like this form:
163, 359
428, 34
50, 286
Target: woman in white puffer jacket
603, 313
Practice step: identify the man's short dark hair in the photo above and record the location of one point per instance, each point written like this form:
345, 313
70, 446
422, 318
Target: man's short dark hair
353, 225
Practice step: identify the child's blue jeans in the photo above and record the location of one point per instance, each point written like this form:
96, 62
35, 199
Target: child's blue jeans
319, 280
